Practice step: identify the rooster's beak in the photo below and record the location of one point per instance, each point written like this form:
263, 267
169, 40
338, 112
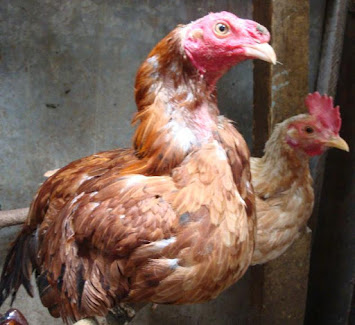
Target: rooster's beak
337, 142
261, 51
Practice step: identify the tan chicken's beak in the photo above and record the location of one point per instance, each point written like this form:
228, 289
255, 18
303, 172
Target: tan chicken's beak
261, 51
337, 142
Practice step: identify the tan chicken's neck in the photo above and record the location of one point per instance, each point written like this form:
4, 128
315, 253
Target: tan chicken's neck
280, 165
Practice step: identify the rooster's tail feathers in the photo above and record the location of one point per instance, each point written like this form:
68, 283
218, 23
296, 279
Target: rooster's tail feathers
18, 267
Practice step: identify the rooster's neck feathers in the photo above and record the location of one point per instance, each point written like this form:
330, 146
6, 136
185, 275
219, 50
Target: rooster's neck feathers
177, 111
168, 68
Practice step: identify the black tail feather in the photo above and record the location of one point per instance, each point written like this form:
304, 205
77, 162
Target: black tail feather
18, 267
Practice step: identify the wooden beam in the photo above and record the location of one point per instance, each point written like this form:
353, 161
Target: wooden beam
279, 90
279, 93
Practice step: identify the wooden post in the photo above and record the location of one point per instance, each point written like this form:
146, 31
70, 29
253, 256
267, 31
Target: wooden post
279, 90
279, 93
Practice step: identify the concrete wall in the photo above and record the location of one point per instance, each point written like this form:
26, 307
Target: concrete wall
67, 72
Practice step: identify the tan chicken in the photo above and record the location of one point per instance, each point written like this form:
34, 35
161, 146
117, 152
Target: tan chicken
282, 180
171, 220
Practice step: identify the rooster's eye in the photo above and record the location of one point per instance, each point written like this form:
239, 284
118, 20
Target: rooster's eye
221, 29
309, 129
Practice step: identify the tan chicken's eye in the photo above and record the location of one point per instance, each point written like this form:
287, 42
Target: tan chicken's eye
221, 29
309, 129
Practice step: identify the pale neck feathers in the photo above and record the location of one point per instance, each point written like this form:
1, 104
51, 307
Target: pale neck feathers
281, 165
176, 110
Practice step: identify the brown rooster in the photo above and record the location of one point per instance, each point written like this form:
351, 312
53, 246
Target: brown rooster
282, 180
171, 220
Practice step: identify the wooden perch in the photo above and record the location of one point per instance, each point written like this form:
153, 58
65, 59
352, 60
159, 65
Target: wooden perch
279, 92
18, 216
13, 217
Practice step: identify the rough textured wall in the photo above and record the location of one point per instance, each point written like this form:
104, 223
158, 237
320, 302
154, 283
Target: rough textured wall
67, 72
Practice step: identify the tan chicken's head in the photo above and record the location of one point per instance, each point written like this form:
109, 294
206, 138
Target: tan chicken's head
319, 130
216, 42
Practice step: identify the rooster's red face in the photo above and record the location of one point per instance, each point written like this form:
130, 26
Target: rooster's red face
309, 136
218, 41
315, 132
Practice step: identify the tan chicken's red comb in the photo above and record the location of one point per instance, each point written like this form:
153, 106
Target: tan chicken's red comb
322, 108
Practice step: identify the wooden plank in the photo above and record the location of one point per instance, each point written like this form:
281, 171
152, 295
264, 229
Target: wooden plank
279, 90
279, 93
262, 84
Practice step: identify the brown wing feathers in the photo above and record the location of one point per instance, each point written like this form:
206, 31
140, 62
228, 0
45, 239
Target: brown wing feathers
95, 244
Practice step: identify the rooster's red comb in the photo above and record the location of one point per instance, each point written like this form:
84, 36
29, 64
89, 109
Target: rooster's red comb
322, 108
